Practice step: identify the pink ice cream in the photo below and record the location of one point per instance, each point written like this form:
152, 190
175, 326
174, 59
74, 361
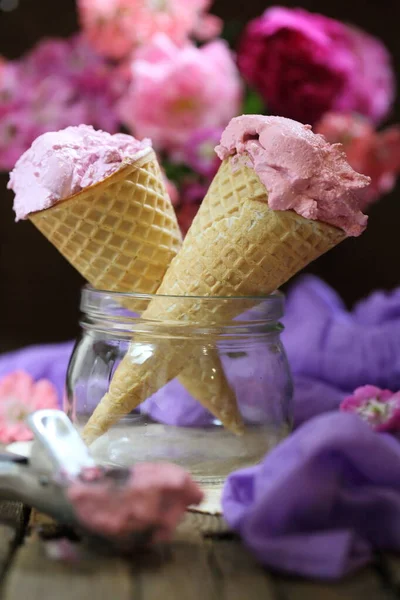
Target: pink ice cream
300, 170
152, 497
60, 164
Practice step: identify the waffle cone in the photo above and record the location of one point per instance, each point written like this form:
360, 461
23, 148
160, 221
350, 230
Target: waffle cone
236, 246
121, 233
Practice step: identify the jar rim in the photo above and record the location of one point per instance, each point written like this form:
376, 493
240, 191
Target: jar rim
127, 309
276, 297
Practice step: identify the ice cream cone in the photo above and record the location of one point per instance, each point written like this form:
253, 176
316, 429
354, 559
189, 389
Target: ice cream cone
121, 233
236, 246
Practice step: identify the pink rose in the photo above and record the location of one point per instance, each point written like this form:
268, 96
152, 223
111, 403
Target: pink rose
305, 64
19, 396
379, 408
178, 90
116, 27
376, 154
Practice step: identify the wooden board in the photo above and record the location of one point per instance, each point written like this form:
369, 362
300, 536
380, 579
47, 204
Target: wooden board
35, 576
13, 517
363, 585
192, 567
238, 575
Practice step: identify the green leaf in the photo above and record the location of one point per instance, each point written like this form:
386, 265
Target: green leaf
176, 171
253, 103
231, 31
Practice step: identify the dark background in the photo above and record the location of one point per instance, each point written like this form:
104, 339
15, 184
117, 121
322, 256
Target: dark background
39, 293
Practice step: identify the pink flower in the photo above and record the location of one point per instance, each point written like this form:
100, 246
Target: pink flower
19, 396
116, 27
379, 408
376, 154
305, 64
176, 91
172, 190
192, 195
186, 213
58, 83
198, 152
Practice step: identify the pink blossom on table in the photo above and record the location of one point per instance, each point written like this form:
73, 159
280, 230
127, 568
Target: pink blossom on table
19, 396
198, 152
379, 408
305, 64
178, 90
116, 27
376, 154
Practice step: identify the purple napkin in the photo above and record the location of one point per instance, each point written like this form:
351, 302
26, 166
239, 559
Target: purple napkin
344, 349
322, 500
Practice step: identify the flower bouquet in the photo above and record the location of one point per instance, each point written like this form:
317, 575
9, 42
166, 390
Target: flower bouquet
164, 70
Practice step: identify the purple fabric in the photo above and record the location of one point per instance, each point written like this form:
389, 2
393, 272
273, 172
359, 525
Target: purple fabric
322, 500
345, 349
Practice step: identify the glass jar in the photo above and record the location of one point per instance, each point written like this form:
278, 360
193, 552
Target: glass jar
171, 425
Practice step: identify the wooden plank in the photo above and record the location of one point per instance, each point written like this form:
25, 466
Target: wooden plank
363, 585
34, 575
196, 524
12, 524
176, 571
389, 568
239, 576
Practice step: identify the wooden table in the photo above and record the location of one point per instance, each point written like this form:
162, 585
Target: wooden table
193, 567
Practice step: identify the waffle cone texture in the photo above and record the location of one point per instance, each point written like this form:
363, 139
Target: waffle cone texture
236, 246
121, 235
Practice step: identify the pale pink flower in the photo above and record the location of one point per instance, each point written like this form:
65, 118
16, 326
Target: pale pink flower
379, 408
116, 27
20, 396
373, 153
178, 90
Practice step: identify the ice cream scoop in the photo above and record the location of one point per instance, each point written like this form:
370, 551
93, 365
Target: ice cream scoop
62, 163
301, 170
120, 507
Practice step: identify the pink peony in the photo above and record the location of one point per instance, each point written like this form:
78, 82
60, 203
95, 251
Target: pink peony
176, 91
376, 154
305, 64
19, 396
199, 154
172, 190
192, 194
379, 408
116, 27
58, 83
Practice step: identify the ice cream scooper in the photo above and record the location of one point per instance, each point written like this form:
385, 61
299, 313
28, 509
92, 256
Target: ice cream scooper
123, 507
